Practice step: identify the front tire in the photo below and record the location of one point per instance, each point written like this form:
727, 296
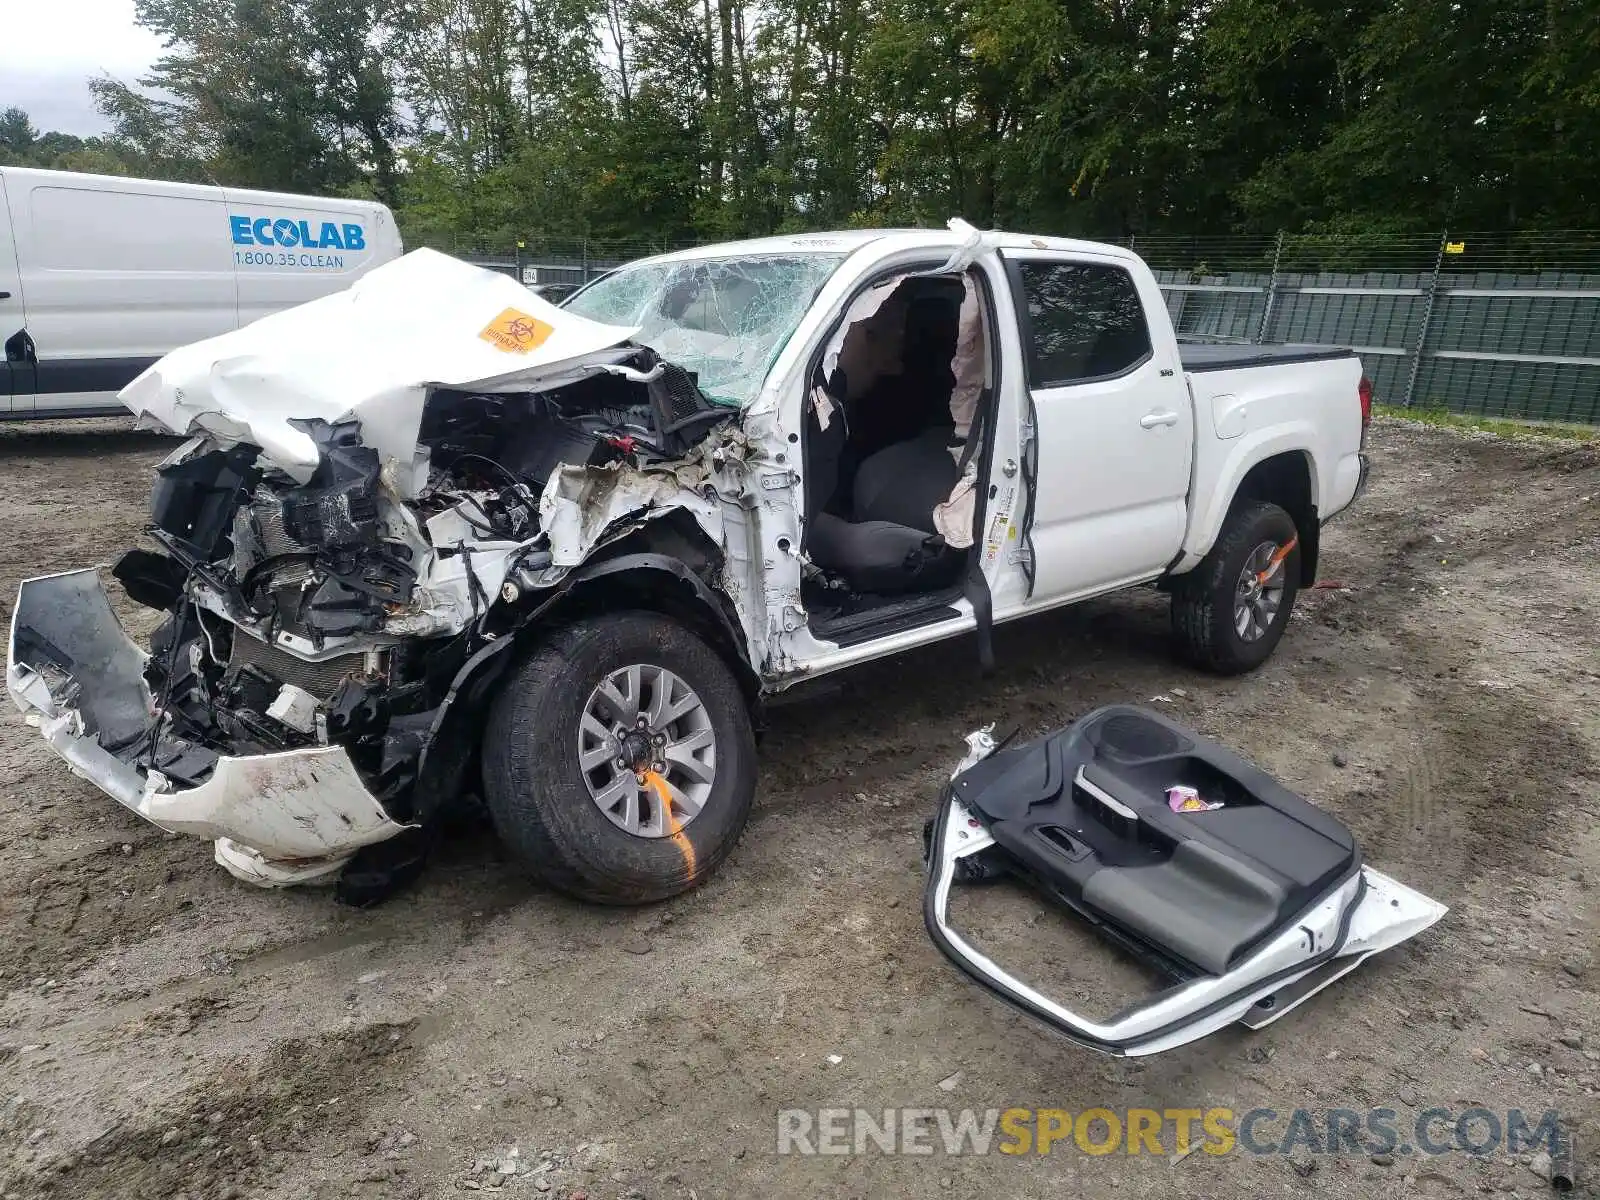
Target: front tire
1230, 612
634, 687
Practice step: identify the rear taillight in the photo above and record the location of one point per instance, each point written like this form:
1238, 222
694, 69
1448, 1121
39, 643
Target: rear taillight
1364, 391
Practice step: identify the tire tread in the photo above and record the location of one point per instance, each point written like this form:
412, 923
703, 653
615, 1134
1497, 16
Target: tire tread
1203, 633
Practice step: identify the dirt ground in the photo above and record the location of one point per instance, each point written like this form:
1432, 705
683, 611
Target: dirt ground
167, 1031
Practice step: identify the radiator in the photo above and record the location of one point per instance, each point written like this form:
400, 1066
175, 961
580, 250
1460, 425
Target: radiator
318, 678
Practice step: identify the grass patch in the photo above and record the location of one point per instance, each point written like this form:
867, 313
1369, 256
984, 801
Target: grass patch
1499, 426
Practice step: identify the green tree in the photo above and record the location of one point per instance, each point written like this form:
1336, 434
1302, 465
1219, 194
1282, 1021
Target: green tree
483, 121
288, 94
17, 136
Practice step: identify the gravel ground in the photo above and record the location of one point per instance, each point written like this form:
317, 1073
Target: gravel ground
165, 1030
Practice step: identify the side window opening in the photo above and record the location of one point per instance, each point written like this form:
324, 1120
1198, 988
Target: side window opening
892, 426
1085, 322
896, 367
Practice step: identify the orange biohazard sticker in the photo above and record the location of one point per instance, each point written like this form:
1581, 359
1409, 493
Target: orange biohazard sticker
516, 332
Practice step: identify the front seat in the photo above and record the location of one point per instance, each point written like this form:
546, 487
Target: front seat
879, 535
888, 545
879, 556
899, 404
904, 482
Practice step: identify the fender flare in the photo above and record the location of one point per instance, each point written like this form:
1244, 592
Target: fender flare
472, 670
1207, 523
679, 570
724, 623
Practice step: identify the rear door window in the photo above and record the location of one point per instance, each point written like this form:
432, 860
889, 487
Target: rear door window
1082, 321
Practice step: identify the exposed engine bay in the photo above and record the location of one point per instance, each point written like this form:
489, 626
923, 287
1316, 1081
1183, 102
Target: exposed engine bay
295, 607
380, 497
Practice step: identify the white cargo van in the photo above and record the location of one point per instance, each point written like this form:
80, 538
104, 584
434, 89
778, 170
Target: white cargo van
100, 276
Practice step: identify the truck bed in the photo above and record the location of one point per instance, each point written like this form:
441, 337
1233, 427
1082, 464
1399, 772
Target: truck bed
1225, 356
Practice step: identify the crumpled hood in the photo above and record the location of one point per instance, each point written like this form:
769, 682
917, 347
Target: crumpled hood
369, 353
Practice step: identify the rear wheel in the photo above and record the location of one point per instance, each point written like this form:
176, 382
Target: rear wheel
1230, 612
619, 761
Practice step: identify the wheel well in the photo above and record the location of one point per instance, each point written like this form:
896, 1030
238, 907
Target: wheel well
675, 534
669, 567
1285, 480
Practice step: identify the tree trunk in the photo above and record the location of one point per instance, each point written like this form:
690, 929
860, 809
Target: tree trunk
616, 19
714, 132
727, 98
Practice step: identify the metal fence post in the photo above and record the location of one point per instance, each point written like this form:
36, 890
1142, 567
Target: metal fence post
1427, 320
1272, 290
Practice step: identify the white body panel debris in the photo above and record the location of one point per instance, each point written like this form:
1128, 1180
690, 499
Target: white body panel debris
1246, 920
303, 812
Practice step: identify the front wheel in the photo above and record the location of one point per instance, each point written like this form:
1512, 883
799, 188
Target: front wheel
1230, 612
619, 761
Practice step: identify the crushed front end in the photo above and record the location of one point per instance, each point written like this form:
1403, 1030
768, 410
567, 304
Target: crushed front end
329, 638
282, 810
310, 687
292, 703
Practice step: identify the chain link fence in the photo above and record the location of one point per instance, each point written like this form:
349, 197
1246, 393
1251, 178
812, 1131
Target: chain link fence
562, 262
1489, 324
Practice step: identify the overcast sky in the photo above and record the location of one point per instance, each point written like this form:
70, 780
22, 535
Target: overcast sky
50, 48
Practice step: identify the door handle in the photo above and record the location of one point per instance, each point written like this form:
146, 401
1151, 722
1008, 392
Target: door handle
5, 295
1157, 419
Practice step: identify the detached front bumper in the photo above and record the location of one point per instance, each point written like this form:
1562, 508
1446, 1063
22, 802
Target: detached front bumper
277, 819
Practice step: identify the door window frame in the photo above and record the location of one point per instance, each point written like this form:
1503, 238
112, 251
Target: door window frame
1014, 262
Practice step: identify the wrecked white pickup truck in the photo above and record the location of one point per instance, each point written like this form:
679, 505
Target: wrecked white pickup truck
433, 525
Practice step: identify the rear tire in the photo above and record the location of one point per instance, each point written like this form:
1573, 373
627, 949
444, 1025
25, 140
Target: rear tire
543, 801
1209, 603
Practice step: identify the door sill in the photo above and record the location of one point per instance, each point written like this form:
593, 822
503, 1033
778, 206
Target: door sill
897, 616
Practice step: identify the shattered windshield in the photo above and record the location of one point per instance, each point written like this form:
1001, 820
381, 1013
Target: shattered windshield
725, 319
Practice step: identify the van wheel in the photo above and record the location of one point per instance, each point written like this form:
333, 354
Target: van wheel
619, 761
1229, 613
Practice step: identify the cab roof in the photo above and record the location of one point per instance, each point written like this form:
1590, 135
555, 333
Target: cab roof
846, 241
